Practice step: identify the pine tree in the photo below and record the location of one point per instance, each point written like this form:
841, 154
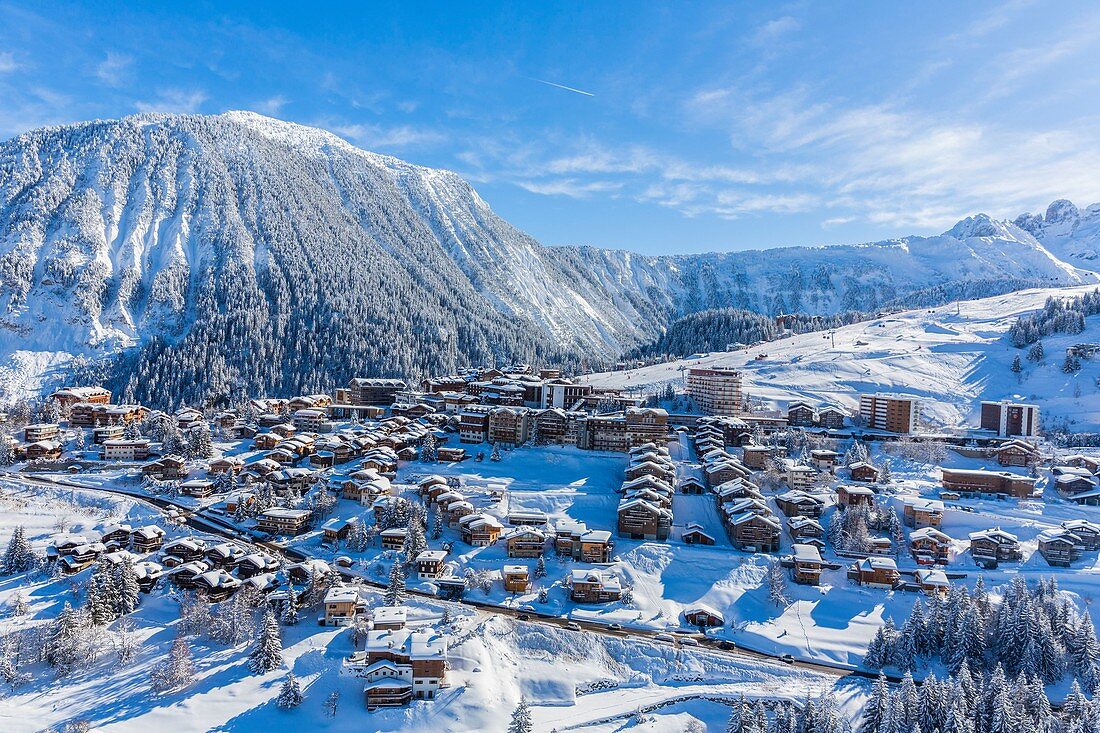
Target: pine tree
1035, 353
267, 651
521, 719
290, 694
875, 711
738, 713
127, 591
63, 640
177, 671
100, 597
18, 557
332, 702
414, 539
1017, 365
289, 612
7, 450
540, 567
777, 585
395, 591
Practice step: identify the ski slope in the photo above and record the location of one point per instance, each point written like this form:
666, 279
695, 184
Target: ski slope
952, 356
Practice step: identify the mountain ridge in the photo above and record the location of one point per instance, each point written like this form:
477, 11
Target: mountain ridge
260, 256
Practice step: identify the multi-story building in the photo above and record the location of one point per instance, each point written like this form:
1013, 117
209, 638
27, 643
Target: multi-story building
509, 426
595, 586
284, 521
1008, 419
69, 396
41, 431
400, 665
642, 519
894, 413
716, 391
563, 394
370, 391
126, 450
976, 481
473, 424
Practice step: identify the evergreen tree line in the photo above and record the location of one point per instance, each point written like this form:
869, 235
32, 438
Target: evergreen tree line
1032, 632
966, 703
1058, 315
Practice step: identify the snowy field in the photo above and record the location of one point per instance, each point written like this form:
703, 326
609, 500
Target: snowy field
953, 357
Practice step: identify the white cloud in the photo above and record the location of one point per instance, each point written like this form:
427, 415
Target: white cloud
7, 62
569, 187
775, 29
114, 70
174, 101
270, 106
372, 136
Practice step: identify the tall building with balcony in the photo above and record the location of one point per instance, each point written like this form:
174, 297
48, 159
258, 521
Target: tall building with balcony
716, 391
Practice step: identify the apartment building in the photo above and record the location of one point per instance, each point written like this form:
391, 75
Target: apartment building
894, 413
1010, 419
716, 391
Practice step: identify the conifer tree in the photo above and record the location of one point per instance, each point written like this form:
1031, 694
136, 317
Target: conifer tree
395, 591
267, 651
521, 719
177, 671
290, 694
18, 557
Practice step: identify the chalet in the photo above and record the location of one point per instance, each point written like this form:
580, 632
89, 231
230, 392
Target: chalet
526, 518
446, 454
863, 471
1017, 453
47, 450
224, 555
738, 488
430, 564
920, 512
185, 549
291, 479
880, 545
1087, 532
517, 578
802, 529
1087, 498
594, 586
266, 441
799, 476
692, 485
641, 519
932, 582
1059, 547
338, 528
807, 564
187, 574
393, 538
1071, 485
81, 557
401, 665
116, 535
197, 487
281, 521
703, 616
979, 482
929, 546
876, 572
651, 468
389, 618
847, 496
801, 414
65, 544
755, 532
525, 542
722, 471
125, 450
147, 574
1087, 462
480, 530
831, 417
264, 583
214, 585
509, 426
593, 546
473, 424
694, 534
824, 460
341, 606
70, 396
800, 504
147, 539
306, 571
992, 546
169, 468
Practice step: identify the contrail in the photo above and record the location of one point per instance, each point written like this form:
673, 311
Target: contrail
562, 86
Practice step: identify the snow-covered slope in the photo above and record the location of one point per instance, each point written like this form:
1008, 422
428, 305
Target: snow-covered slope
951, 356
1071, 234
248, 254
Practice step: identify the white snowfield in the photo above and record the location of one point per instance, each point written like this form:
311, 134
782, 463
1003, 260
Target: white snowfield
952, 357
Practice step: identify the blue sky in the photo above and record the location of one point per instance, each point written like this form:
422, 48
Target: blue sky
687, 127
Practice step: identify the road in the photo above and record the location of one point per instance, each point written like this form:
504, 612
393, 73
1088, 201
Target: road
217, 526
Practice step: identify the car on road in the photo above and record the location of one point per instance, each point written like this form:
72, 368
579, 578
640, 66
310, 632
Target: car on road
688, 641
616, 627
665, 637
786, 658
573, 626
524, 617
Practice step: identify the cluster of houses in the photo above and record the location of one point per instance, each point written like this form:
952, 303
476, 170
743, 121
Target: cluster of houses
749, 521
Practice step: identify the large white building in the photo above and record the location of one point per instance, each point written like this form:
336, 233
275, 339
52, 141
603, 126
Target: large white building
716, 391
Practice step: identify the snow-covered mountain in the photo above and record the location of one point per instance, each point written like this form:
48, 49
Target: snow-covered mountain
1067, 232
245, 253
